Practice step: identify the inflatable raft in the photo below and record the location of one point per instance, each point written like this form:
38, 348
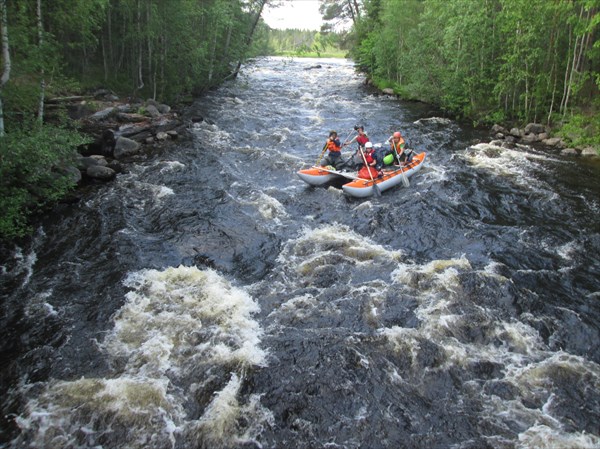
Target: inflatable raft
359, 187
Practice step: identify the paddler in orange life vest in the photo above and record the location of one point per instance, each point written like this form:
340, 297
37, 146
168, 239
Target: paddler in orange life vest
334, 147
398, 144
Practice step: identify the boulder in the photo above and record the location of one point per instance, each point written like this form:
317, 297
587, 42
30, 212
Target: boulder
534, 128
103, 114
163, 108
100, 160
555, 142
161, 135
153, 111
590, 152
530, 138
83, 163
125, 147
100, 172
388, 91
499, 129
569, 152
516, 132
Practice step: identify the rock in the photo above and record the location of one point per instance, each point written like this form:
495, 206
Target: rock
104, 145
160, 136
131, 118
83, 163
149, 140
125, 147
163, 108
516, 132
101, 160
103, 114
569, 152
542, 136
173, 134
530, 138
100, 172
534, 128
499, 136
388, 91
153, 111
116, 166
590, 152
499, 129
555, 142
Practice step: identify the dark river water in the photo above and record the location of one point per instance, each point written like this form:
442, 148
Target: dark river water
211, 299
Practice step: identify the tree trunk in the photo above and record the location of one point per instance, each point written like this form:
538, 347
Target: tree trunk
40, 45
261, 4
6, 58
140, 46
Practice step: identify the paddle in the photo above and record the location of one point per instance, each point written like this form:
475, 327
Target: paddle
375, 186
404, 177
322, 153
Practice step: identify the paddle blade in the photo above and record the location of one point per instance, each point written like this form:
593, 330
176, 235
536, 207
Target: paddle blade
376, 190
405, 180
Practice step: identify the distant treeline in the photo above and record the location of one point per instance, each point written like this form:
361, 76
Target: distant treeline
302, 42
488, 60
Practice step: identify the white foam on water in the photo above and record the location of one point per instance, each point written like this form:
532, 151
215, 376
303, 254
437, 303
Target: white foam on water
219, 425
173, 322
541, 436
536, 373
314, 247
268, 207
168, 166
24, 265
78, 414
434, 120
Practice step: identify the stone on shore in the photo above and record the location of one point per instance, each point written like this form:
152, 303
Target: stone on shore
100, 172
125, 147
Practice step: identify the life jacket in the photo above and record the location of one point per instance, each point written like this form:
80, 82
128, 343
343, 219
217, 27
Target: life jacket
369, 156
334, 146
361, 140
397, 147
363, 173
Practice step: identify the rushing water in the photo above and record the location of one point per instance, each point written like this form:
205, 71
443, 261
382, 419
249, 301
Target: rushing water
211, 299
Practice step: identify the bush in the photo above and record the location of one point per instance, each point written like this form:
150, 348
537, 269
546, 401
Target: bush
32, 173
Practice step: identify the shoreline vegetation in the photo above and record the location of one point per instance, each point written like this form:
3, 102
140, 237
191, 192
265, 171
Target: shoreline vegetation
508, 63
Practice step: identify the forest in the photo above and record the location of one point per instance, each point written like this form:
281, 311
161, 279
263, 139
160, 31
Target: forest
487, 61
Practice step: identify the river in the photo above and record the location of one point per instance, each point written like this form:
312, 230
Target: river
211, 299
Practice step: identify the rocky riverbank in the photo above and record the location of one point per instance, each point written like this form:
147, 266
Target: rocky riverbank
122, 131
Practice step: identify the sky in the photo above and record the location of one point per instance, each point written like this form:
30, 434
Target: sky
301, 14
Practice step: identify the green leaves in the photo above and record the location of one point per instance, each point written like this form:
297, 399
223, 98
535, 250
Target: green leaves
33, 172
523, 58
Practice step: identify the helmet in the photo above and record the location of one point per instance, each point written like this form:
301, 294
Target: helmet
332, 133
368, 145
397, 134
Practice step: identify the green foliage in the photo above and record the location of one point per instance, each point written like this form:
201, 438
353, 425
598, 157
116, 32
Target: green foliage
525, 59
303, 43
581, 130
34, 164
